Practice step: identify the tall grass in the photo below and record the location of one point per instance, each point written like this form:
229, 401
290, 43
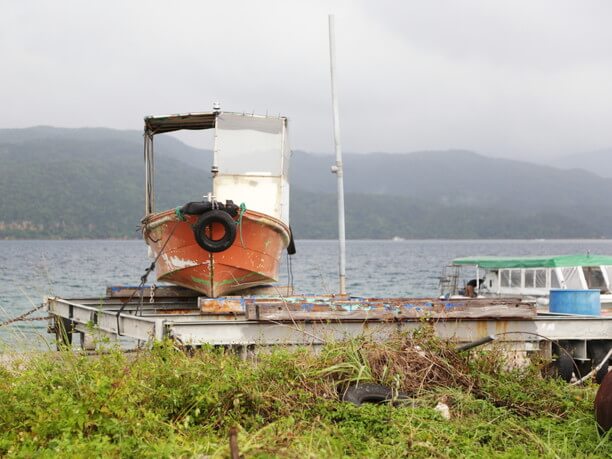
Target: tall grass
164, 402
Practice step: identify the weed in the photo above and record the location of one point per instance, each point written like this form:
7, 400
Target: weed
163, 402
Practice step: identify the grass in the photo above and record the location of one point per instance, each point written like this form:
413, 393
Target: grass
164, 402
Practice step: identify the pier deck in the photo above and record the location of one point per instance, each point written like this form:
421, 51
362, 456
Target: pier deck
181, 315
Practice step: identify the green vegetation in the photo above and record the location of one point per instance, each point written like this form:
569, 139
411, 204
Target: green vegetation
166, 402
88, 183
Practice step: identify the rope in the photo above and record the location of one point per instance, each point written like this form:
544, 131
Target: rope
179, 214
289, 273
239, 222
594, 370
143, 279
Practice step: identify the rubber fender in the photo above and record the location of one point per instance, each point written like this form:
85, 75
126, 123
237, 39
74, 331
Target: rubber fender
291, 247
231, 208
565, 366
598, 352
207, 219
358, 394
196, 208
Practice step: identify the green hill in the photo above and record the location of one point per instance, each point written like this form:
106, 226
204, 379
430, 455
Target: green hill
88, 183
597, 162
72, 187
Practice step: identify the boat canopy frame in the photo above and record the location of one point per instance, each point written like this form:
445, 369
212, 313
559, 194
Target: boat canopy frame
210, 120
163, 124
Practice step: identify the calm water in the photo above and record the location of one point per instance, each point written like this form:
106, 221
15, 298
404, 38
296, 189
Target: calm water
30, 270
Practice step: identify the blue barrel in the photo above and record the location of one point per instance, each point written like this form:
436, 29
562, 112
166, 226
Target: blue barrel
584, 302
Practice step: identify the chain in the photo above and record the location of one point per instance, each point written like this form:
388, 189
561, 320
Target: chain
24, 317
33, 319
152, 296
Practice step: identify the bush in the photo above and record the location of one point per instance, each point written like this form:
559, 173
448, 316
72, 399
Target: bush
164, 402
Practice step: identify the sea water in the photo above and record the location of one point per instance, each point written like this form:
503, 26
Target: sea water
29, 270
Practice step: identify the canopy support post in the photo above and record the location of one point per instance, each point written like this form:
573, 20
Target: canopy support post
149, 173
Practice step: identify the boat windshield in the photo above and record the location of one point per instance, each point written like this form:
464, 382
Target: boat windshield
247, 145
251, 161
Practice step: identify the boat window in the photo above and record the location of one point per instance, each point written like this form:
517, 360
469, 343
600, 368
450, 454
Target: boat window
572, 278
505, 278
554, 280
594, 277
609, 273
540, 278
515, 278
529, 278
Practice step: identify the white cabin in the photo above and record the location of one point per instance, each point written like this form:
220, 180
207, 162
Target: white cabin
527, 276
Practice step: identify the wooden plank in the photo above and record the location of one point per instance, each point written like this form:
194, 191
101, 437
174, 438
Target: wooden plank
227, 305
164, 291
174, 291
271, 290
290, 312
252, 312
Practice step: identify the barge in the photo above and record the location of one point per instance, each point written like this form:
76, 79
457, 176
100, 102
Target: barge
258, 320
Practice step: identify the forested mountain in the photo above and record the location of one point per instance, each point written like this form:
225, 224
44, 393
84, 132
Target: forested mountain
599, 162
89, 183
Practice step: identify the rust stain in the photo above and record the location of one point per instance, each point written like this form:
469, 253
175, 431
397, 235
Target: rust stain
501, 326
239, 267
482, 328
221, 306
175, 311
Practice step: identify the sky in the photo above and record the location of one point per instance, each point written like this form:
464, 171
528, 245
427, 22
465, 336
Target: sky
520, 79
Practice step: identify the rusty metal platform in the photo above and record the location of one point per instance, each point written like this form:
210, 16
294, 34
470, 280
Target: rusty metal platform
263, 320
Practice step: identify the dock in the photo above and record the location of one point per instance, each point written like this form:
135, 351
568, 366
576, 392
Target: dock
248, 323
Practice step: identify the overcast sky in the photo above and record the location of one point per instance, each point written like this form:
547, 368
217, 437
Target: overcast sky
521, 79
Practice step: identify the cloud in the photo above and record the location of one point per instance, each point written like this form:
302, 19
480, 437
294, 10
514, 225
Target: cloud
519, 79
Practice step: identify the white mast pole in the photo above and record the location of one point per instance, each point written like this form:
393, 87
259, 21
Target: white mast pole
337, 168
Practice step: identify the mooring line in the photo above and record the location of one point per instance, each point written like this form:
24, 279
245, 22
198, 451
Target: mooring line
143, 278
23, 317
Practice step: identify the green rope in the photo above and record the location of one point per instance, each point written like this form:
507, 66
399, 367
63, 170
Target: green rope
179, 214
239, 222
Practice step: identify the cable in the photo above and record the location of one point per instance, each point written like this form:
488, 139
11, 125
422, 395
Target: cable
289, 273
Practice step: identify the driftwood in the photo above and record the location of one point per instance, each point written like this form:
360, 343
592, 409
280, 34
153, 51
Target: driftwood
233, 443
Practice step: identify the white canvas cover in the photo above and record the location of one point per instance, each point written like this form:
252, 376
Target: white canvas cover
251, 154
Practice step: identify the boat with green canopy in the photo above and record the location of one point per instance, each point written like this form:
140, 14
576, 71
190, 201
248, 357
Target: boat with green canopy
527, 277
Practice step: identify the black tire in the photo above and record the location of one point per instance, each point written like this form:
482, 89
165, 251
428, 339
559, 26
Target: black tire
565, 366
597, 355
358, 394
196, 208
584, 368
206, 220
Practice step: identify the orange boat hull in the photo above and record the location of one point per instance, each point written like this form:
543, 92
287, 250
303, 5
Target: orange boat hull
252, 260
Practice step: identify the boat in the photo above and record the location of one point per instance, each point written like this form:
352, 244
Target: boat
527, 277
234, 238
